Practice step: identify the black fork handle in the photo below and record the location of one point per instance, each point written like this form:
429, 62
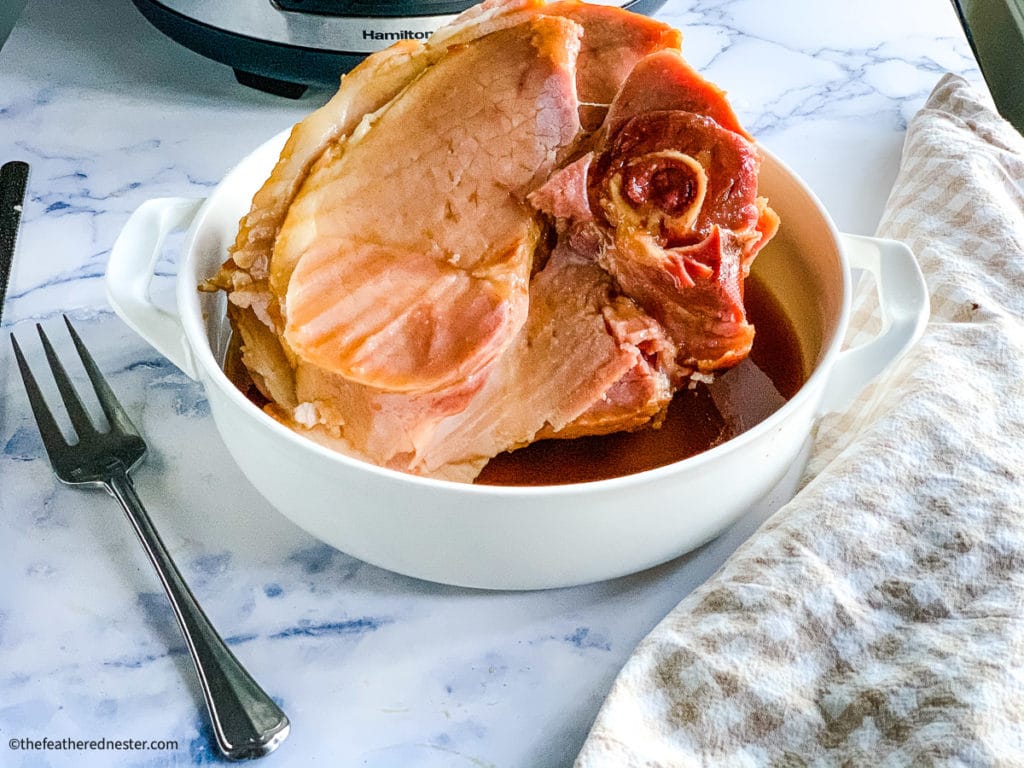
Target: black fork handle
246, 721
13, 180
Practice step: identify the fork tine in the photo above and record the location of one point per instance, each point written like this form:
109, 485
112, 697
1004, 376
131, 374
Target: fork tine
112, 408
53, 438
76, 410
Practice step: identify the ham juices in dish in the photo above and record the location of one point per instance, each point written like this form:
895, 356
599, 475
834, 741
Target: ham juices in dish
535, 225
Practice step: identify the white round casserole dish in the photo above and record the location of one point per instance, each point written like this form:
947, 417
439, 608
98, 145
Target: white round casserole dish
521, 537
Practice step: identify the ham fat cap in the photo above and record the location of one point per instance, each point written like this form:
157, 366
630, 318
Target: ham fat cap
480, 241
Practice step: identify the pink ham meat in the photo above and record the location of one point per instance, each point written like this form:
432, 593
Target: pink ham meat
664, 81
565, 370
407, 257
613, 44
254, 308
671, 183
679, 193
535, 225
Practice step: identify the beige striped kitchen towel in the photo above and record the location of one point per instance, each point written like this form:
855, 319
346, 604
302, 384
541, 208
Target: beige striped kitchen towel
878, 618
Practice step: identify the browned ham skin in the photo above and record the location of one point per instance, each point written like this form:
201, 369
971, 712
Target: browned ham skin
568, 214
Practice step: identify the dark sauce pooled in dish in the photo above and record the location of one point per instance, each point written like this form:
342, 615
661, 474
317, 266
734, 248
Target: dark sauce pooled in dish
694, 422
698, 419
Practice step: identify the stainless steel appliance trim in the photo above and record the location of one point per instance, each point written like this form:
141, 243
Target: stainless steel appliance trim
261, 20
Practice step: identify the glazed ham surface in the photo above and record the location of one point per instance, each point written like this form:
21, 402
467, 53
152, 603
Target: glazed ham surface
534, 225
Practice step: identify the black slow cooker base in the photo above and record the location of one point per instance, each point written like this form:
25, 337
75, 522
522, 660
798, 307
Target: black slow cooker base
283, 70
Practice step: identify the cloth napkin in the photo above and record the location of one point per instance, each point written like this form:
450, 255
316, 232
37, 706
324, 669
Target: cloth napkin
878, 618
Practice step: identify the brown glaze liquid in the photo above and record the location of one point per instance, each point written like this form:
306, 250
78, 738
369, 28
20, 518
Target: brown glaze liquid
693, 424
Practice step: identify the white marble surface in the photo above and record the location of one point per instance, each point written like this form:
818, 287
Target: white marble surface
374, 669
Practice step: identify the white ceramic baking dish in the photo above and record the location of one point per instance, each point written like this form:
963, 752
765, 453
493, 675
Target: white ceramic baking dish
521, 537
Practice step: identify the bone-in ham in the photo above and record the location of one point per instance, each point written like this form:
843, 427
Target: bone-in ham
534, 225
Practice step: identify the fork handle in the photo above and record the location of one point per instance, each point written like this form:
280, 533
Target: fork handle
246, 721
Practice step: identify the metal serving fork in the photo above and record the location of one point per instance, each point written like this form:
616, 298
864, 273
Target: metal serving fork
246, 721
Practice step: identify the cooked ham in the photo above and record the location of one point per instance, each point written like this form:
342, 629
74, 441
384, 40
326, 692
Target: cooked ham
679, 195
663, 81
565, 365
613, 43
416, 285
565, 195
534, 225
694, 291
367, 88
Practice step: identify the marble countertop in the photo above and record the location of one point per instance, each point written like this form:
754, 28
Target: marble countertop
374, 669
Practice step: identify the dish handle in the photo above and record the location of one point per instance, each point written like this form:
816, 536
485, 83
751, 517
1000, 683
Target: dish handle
130, 272
905, 308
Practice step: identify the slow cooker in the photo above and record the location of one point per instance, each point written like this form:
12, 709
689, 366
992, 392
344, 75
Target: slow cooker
282, 46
